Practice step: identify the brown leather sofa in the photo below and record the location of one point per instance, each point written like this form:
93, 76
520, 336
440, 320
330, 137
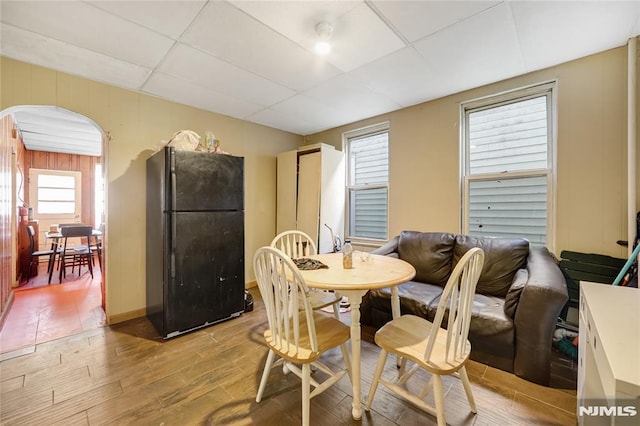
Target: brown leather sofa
519, 296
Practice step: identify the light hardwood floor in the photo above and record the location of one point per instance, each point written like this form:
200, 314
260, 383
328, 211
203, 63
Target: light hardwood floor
124, 374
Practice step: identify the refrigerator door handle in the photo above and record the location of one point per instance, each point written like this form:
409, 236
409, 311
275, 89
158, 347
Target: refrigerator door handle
173, 190
174, 233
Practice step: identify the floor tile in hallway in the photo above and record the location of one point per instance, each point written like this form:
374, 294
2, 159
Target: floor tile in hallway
42, 312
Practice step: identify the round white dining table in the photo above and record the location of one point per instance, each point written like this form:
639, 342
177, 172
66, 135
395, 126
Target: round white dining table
372, 272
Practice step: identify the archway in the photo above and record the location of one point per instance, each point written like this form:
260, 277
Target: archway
49, 131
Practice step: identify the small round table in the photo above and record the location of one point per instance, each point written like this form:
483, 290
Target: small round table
377, 272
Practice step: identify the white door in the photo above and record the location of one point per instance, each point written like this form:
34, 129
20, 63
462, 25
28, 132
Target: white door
55, 196
308, 216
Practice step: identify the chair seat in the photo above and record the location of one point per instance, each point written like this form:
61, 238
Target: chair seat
329, 331
407, 337
43, 253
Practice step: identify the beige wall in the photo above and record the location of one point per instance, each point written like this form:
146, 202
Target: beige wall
591, 158
136, 124
424, 158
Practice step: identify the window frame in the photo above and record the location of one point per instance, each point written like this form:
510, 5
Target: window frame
34, 173
372, 130
548, 89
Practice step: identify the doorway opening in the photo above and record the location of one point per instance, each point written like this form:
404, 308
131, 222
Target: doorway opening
55, 147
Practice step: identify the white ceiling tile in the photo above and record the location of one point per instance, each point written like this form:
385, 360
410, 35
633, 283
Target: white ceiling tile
231, 35
278, 120
480, 50
35, 49
170, 18
308, 110
204, 70
90, 28
360, 37
178, 90
404, 76
417, 19
350, 99
554, 32
296, 20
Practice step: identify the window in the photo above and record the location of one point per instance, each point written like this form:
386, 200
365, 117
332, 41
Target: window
55, 193
508, 165
367, 182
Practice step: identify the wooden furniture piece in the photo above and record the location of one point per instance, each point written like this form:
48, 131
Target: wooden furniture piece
310, 192
297, 335
440, 351
75, 255
297, 244
377, 272
35, 256
25, 268
56, 237
608, 354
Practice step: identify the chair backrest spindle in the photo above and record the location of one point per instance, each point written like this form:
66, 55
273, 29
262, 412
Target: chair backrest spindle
295, 244
281, 287
456, 302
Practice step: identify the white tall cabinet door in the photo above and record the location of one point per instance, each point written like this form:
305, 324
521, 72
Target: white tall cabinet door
309, 184
287, 187
311, 193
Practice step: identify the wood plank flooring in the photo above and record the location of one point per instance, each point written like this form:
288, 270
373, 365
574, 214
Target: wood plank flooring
124, 374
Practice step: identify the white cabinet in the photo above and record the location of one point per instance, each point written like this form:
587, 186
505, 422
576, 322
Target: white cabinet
609, 355
311, 193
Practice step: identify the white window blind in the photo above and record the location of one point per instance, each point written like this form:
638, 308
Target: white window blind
508, 166
367, 186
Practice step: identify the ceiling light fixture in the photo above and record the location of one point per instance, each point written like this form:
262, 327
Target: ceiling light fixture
322, 46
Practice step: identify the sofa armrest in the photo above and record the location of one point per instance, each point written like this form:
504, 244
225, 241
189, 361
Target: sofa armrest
541, 301
388, 248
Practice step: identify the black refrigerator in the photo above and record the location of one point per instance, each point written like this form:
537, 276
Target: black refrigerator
195, 239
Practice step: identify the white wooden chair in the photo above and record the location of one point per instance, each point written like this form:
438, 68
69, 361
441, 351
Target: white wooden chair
437, 350
297, 335
297, 244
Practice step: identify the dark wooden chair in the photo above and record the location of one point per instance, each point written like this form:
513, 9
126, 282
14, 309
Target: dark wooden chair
72, 256
34, 258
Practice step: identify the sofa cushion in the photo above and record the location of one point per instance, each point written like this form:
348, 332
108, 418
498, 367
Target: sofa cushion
502, 259
415, 298
430, 253
513, 295
487, 317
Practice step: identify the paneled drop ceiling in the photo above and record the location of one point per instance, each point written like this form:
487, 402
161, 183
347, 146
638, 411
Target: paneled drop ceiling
254, 59
53, 129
